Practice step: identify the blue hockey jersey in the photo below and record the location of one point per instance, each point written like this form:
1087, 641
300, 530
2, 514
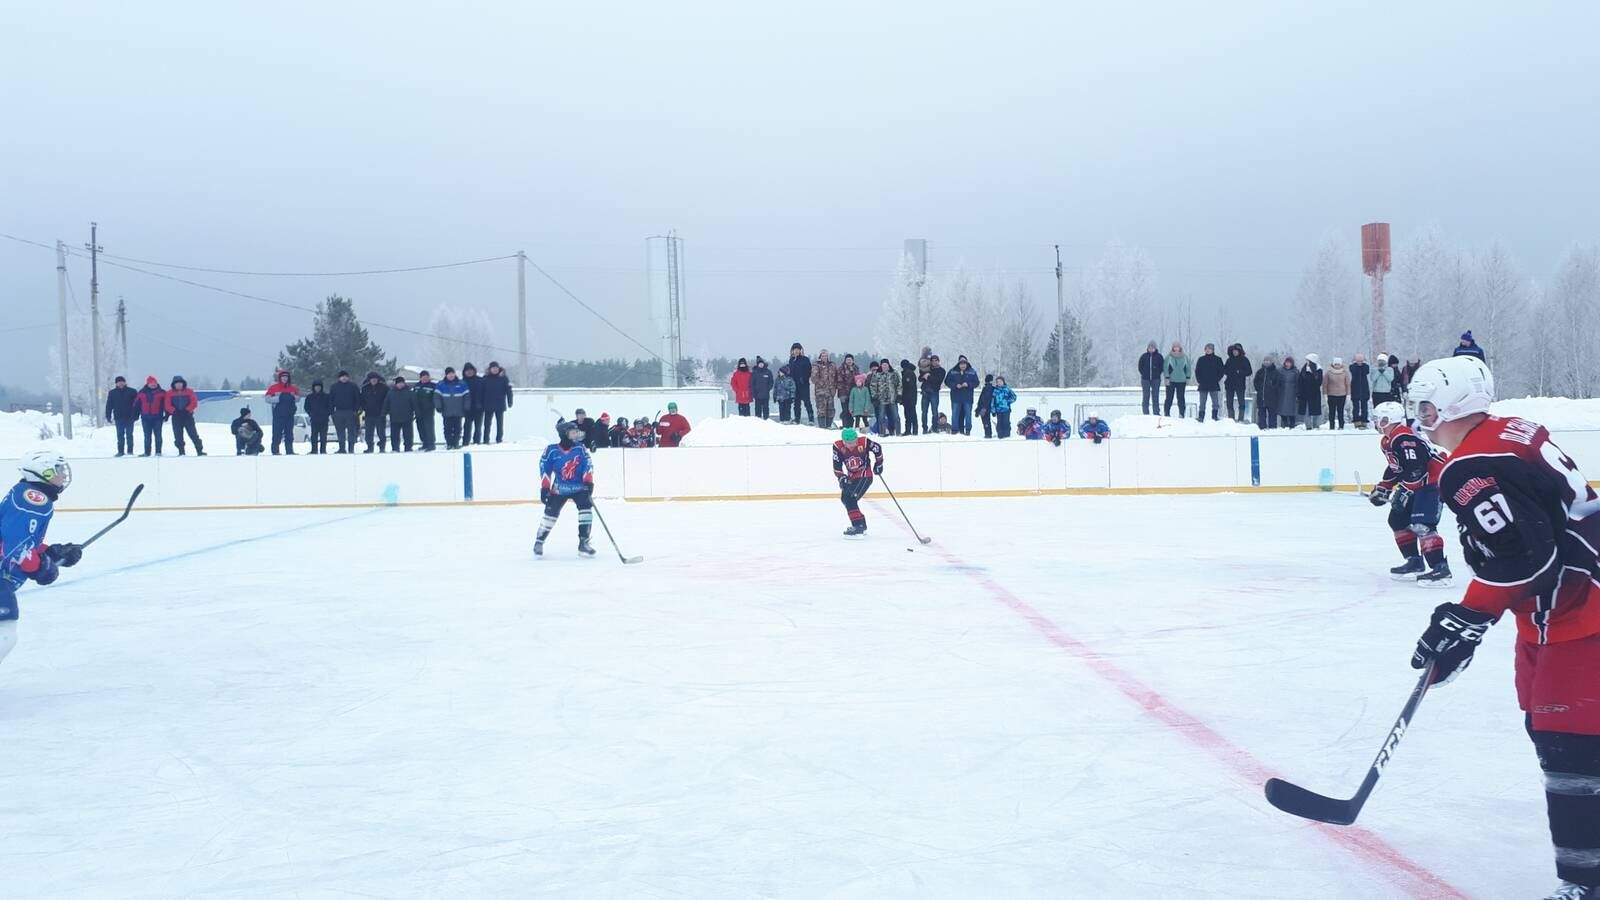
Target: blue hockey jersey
24, 518
566, 472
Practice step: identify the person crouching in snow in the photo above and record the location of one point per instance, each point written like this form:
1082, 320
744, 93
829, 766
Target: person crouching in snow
566, 473
1056, 430
856, 458
1094, 428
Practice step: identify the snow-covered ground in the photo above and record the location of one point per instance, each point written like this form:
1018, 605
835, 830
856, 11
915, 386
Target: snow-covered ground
1061, 696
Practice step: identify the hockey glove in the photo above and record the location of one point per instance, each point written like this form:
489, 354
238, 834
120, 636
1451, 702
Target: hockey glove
544, 495
65, 554
844, 482
1379, 496
877, 468
47, 571
1453, 634
1402, 495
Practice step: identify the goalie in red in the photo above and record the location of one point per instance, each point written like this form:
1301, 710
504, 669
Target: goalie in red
856, 458
1530, 526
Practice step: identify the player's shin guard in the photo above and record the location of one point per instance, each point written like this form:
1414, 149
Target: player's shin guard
585, 519
1432, 544
1571, 764
1406, 540
545, 525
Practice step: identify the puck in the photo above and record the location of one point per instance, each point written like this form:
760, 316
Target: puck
910, 550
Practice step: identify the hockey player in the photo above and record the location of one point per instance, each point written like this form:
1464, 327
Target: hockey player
1056, 430
24, 519
566, 473
856, 458
1410, 487
1529, 525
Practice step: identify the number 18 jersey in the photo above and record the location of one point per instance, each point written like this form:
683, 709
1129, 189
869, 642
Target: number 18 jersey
1530, 526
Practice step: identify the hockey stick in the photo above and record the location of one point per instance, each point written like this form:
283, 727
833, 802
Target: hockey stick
1297, 801
118, 521
626, 560
920, 538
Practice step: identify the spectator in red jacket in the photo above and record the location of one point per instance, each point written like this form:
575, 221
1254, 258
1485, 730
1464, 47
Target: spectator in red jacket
151, 402
672, 427
181, 403
740, 381
283, 396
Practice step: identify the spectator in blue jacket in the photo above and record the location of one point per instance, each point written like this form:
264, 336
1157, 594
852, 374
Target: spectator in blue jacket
453, 399
1001, 402
961, 381
1031, 427
1094, 428
1468, 346
1056, 430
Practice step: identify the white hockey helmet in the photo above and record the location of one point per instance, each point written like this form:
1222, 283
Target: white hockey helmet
45, 467
1388, 415
1454, 387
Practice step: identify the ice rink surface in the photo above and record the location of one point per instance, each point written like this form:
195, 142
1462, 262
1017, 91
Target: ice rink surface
1060, 697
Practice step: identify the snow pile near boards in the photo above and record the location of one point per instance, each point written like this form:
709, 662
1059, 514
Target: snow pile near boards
749, 431
31, 429
1554, 413
1158, 426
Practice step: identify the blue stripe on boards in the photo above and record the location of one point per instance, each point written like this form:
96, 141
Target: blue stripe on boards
1255, 462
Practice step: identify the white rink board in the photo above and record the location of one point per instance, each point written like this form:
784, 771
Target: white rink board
1288, 461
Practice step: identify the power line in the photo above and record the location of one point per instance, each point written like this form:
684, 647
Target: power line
448, 265
592, 311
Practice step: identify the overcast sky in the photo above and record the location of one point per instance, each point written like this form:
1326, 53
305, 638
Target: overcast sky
794, 146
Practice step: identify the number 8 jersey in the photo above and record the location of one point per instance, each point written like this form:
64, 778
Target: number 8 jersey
1530, 526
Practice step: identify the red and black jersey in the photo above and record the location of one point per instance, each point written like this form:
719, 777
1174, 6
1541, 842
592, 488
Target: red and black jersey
1530, 526
855, 461
1413, 462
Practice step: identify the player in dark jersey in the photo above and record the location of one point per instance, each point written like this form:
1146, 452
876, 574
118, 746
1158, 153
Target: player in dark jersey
1530, 526
856, 458
1410, 487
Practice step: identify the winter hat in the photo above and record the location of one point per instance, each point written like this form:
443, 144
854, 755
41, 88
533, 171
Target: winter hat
1312, 358
783, 370
605, 417
1055, 413
744, 363
906, 364
424, 374
1338, 360
469, 367
493, 364
849, 435
120, 380
579, 412
449, 370
399, 379
988, 379
343, 374
860, 379
1466, 335
760, 361
1032, 411
962, 359
796, 346
316, 384
244, 410
151, 380
179, 379
374, 376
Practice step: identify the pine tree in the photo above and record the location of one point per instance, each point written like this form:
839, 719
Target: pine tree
337, 342
226, 385
1080, 368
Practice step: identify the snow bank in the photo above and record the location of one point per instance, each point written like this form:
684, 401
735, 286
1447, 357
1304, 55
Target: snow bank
1554, 413
749, 431
1155, 426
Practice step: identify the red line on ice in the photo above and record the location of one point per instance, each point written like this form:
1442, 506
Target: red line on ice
1407, 874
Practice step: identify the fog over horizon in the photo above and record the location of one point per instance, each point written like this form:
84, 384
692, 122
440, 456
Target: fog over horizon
794, 149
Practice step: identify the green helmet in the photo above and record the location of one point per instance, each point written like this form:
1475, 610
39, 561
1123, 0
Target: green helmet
849, 435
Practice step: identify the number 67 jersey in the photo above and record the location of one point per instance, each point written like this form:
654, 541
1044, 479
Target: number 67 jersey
1530, 526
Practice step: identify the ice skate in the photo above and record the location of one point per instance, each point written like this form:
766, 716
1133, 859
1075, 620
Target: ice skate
538, 548
1571, 891
1408, 570
585, 548
855, 529
1439, 577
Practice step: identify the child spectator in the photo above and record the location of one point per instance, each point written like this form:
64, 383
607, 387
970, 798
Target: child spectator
783, 392
740, 382
860, 402
1001, 401
1055, 430
1094, 428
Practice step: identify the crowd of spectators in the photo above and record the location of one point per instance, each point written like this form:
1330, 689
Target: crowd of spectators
394, 416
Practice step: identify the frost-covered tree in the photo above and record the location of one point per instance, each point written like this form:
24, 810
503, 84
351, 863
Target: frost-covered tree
458, 335
1018, 357
87, 397
1570, 324
968, 319
1328, 316
902, 323
1079, 369
1497, 312
1423, 296
1116, 300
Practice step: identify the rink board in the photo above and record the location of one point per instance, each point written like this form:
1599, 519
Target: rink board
1271, 462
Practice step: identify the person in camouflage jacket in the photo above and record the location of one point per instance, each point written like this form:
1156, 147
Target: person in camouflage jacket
825, 382
848, 370
883, 383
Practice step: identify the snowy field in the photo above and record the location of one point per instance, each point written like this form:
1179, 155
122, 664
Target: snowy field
1061, 696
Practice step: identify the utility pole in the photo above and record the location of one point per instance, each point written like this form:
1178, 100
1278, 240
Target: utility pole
522, 318
66, 368
122, 327
94, 308
1061, 325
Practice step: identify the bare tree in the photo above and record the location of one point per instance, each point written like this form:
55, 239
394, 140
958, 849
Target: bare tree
1569, 311
901, 328
1326, 316
458, 335
1421, 317
1018, 353
87, 397
1118, 298
1497, 313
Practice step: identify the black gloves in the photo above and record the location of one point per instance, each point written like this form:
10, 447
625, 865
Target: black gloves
544, 495
1453, 634
877, 467
1379, 496
65, 554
